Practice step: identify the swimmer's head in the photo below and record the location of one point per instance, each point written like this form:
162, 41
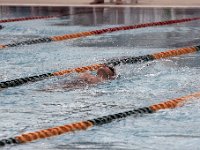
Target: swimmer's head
106, 72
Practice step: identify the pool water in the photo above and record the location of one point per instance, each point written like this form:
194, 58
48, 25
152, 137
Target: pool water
32, 107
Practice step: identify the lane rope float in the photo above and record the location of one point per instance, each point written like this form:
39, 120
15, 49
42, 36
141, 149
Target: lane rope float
159, 55
112, 62
26, 18
83, 125
95, 32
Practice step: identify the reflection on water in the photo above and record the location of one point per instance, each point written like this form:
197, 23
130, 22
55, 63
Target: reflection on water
88, 16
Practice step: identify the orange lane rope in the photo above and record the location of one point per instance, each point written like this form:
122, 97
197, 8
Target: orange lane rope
95, 32
78, 70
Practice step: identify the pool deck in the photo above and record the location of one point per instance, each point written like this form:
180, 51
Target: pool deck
85, 3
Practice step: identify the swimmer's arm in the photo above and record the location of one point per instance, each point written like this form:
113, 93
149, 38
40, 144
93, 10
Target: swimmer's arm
91, 79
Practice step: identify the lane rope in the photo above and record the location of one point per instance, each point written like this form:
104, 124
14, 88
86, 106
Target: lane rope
95, 32
26, 18
20, 81
159, 55
112, 62
83, 125
41, 17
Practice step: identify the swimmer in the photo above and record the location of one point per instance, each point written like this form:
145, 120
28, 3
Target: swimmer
103, 74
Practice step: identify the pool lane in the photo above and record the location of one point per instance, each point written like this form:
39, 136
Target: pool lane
97, 32
83, 125
111, 62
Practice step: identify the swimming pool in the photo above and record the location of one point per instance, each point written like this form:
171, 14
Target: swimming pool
29, 107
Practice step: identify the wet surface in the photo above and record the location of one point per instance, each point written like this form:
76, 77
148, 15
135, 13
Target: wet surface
31, 107
108, 17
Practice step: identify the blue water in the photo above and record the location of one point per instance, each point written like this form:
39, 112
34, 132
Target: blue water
32, 107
